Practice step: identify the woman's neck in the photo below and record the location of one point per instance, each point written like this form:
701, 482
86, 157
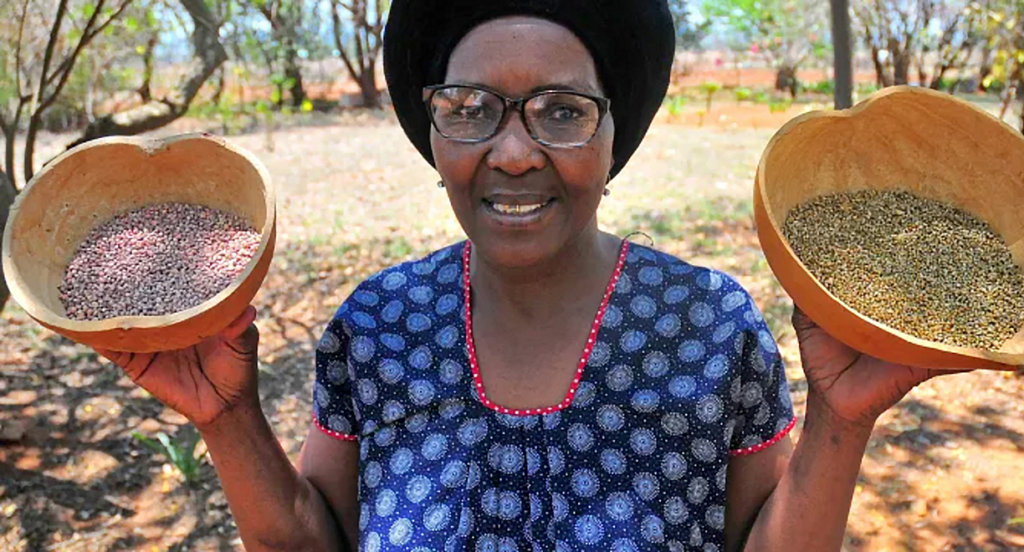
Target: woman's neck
548, 288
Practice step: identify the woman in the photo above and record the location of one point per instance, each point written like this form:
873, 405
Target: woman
544, 385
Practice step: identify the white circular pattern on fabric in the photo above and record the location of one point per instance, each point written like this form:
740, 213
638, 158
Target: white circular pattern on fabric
536, 507
474, 477
720, 477
418, 322
448, 274
675, 295
362, 348
401, 532
585, 483
533, 462
733, 300
651, 276
723, 331
363, 320
393, 281
625, 284
421, 294
401, 461
451, 372
632, 341
421, 392
454, 474
730, 428
447, 337
656, 364
506, 459
437, 517
423, 268
682, 387
367, 391
589, 530
715, 517
559, 506
392, 412
337, 374
364, 516
466, 522
372, 474
620, 378
645, 401
697, 491
600, 354
652, 528
691, 351
619, 506
623, 545
489, 502
487, 543
421, 358
446, 304
710, 280
763, 413
676, 511
580, 437
585, 395
373, 542
394, 342
674, 424
704, 450
669, 325
701, 314
387, 501
613, 461
751, 394
435, 446
710, 408
643, 441
556, 460
610, 418
339, 424
472, 431
552, 420
329, 343
393, 311
673, 466
767, 341
695, 536
507, 544
417, 422
646, 486
612, 317
321, 396
367, 298
391, 371
643, 306
716, 367
509, 506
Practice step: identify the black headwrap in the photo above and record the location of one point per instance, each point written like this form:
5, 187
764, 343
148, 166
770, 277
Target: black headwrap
632, 43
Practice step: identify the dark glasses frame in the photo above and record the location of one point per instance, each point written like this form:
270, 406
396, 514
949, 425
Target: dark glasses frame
603, 106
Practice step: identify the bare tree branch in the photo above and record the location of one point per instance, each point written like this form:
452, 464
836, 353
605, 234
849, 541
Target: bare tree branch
17, 49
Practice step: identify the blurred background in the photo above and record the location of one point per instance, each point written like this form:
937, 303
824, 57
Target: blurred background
89, 462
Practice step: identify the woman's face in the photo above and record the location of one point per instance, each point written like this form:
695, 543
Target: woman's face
488, 182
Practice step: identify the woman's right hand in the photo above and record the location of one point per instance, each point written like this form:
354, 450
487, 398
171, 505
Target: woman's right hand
204, 381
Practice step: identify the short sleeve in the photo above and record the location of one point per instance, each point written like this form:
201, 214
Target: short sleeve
333, 407
762, 408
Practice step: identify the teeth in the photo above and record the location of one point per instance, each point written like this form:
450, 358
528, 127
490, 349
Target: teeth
516, 209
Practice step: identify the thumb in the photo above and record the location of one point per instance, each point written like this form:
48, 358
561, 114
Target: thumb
237, 327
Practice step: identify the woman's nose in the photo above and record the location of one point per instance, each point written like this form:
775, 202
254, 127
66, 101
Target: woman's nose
514, 151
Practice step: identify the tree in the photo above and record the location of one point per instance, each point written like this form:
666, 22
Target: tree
208, 54
45, 52
786, 32
285, 18
358, 42
893, 31
688, 35
842, 42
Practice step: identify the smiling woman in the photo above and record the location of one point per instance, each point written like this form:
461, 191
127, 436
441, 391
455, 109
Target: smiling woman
543, 385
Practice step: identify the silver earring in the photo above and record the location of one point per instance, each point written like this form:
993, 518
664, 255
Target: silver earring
607, 192
440, 183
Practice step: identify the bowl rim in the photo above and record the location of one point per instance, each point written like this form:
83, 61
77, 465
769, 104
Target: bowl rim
21, 293
1009, 359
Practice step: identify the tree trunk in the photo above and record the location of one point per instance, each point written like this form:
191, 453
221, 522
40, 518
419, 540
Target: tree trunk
368, 88
7, 193
145, 91
786, 81
208, 55
901, 68
843, 54
881, 75
294, 73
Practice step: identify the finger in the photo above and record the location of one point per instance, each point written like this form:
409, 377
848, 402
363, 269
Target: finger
239, 325
801, 321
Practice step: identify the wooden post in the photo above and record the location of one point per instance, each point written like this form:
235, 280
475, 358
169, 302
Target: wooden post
842, 41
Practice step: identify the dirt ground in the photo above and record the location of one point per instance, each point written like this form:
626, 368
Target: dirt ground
941, 472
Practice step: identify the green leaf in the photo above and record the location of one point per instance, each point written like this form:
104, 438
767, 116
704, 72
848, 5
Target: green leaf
275, 96
140, 49
131, 23
307, 106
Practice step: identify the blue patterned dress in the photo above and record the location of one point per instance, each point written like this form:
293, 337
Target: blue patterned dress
680, 373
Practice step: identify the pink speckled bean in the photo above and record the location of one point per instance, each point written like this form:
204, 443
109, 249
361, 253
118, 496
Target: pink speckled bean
157, 260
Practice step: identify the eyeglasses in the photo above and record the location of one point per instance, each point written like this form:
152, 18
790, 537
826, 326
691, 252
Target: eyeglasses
554, 118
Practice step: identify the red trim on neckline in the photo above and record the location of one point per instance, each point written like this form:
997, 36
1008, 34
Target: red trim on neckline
332, 433
478, 381
758, 448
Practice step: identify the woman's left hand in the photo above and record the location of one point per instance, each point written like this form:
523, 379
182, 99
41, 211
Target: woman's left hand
855, 387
